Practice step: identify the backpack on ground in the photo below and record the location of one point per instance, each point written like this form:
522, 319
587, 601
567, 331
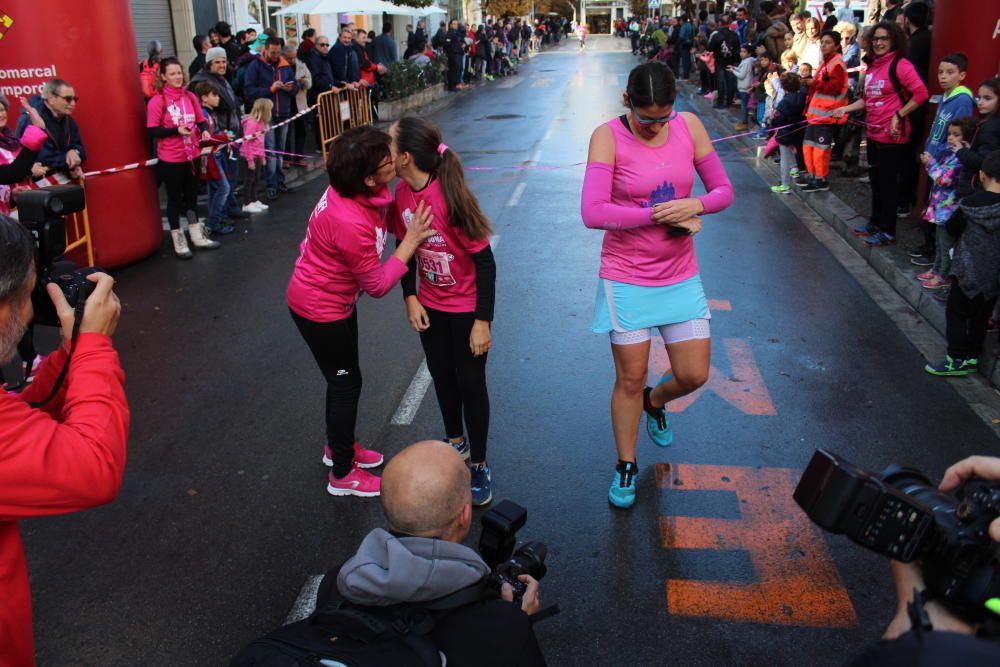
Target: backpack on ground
358, 636
147, 78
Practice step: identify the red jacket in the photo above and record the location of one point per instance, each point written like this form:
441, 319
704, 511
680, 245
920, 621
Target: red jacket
67, 456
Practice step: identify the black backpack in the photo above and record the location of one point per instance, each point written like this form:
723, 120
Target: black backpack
358, 636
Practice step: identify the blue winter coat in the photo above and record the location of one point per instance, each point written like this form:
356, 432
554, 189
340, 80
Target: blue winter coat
344, 64
64, 135
261, 75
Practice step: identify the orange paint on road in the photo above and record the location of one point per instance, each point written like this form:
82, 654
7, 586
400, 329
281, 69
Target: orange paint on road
743, 387
797, 582
720, 304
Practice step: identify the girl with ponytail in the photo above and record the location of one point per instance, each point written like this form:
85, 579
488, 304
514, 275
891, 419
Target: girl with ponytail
453, 307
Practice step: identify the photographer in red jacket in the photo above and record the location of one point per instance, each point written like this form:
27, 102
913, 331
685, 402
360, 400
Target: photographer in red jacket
67, 455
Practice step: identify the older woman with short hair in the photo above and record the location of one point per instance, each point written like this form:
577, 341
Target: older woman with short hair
339, 259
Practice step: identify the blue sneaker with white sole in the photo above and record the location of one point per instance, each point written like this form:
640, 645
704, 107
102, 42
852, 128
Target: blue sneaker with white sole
482, 484
461, 447
657, 425
622, 492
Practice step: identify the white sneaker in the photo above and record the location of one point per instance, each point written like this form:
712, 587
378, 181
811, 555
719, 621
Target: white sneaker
261, 205
180, 243
250, 208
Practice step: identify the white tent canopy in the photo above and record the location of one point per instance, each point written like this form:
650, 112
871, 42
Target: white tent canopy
354, 7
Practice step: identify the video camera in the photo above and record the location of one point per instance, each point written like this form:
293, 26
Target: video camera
496, 546
902, 515
41, 212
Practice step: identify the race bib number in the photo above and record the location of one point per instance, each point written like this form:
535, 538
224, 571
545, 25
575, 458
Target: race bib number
436, 267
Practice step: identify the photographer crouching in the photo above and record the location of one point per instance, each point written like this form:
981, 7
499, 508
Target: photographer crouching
68, 454
413, 594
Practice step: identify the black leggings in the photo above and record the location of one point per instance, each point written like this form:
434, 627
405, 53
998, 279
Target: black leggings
459, 377
334, 345
885, 163
182, 189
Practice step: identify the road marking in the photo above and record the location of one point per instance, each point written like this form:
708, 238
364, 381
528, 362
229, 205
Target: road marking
720, 304
548, 133
743, 387
414, 395
494, 240
305, 603
536, 156
797, 581
542, 82
515, 197
510, 82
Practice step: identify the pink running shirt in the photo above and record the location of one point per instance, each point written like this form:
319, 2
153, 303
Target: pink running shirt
645, 176
444, 261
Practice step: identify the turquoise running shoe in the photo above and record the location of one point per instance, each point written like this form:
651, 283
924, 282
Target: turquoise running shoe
657, 425
622, 492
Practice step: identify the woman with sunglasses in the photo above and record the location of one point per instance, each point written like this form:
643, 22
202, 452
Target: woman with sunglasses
640, 173
339, 259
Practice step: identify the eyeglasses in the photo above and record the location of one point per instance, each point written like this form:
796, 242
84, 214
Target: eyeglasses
650, 121
886, 38
323, 44
69, 98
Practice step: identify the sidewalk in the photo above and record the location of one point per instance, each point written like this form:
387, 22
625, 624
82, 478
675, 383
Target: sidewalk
844, 207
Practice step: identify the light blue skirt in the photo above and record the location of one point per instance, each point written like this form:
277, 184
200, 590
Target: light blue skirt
623, 307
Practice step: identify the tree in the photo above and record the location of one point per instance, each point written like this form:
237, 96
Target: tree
506, 7
412, 3
638, 7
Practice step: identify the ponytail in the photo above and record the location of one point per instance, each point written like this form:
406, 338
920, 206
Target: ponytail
463, 207
422, 139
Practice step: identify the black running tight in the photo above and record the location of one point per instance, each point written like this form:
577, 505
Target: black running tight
334, 345
459, 378
182, 189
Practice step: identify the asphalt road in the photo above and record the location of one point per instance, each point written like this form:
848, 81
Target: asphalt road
224, 515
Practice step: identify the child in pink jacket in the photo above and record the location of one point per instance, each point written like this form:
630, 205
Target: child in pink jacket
255, 125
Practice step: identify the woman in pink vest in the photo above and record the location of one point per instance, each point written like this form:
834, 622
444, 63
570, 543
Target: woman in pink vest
892, 91
340, 258
640, 174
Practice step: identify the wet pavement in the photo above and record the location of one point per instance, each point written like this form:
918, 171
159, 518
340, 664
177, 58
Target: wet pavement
224, 515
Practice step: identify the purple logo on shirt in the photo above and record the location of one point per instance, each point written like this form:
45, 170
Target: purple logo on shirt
661, 195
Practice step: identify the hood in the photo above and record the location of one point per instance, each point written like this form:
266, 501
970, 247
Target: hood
983, 209
387, 570
173, 94
884, 60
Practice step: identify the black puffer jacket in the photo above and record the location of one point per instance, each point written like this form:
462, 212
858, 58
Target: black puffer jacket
985, 140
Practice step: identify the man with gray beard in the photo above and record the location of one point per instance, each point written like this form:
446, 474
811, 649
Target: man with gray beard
68, 454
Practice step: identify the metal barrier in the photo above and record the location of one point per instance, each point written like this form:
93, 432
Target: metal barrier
78, 230
341, 110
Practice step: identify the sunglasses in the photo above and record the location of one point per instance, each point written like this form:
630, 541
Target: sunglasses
69, 98
322, 44
650, 121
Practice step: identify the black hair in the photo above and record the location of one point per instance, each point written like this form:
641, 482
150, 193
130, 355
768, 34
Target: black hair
991, 165
223, 29
917, 14
651, 83
240, 36
274, 41
198, 42
386, 28
357, 154
832, 34
308, 33
967, 124
958, 59
828, 6
791, 82
17, 258
204, 88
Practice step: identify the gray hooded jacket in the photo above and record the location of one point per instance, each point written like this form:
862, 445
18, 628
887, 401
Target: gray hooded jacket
388, 570
976, 262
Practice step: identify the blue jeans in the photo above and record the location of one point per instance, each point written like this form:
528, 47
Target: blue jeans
745, 105
275, 140
218, 194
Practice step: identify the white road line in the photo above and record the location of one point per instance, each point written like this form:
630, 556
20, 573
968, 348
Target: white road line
494, 240
516, 196
414, 395
305, 604
536, 156
548, 133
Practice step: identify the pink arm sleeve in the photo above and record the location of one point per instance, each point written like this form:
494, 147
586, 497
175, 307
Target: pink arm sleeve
719, 193
596, 207
378, 282
33, 138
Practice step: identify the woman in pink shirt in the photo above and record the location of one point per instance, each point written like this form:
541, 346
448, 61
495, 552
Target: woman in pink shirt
638, 188
175, 120
340, 258
886, 108
453, 308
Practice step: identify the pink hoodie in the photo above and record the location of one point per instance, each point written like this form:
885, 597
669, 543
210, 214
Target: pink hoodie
176, 107
253, 147
882, 101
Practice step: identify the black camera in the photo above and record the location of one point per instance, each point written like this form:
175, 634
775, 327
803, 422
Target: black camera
497, 547
41, 212
901, 514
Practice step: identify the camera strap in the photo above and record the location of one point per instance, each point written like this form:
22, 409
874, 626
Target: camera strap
919, 619
77, 320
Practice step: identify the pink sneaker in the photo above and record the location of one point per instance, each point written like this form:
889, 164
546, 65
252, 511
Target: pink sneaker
358, 482
364, 458
926, 275
937, 282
